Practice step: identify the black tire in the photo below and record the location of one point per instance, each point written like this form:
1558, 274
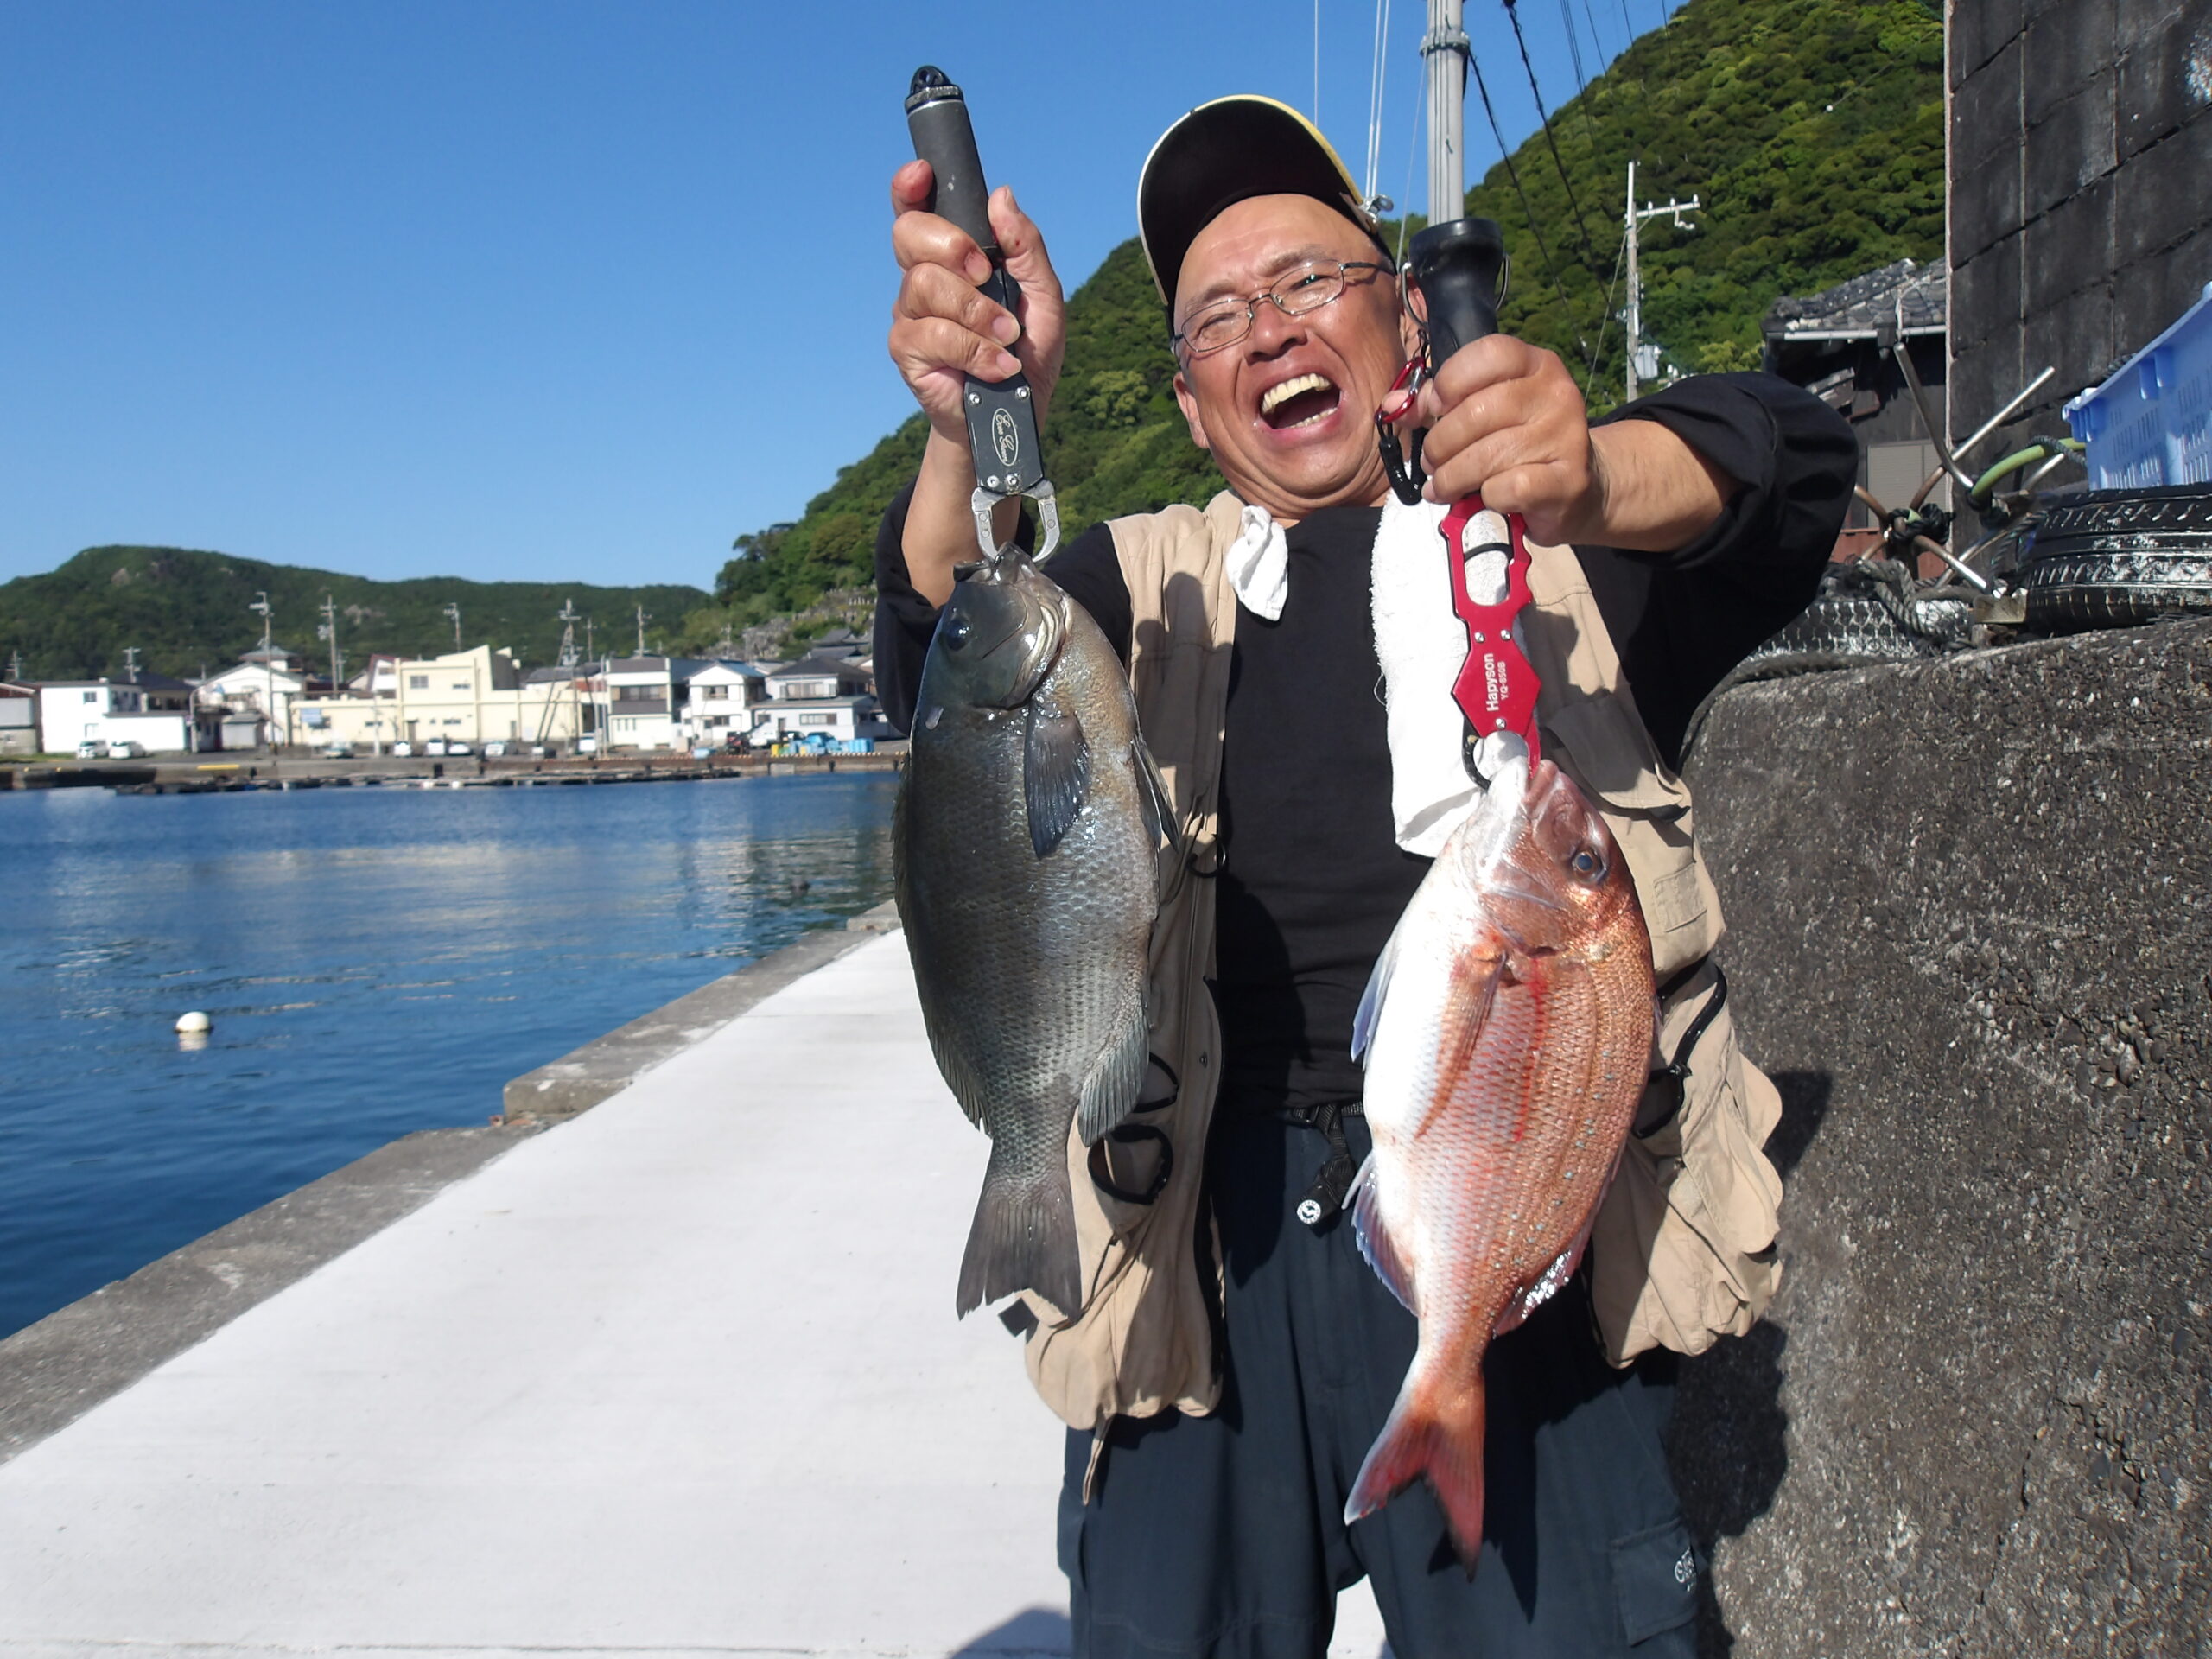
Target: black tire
2117, 558
1846, 628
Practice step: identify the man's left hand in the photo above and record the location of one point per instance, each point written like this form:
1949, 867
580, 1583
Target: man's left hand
1506, 418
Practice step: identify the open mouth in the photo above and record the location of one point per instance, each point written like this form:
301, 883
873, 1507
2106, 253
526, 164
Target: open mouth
1301, 402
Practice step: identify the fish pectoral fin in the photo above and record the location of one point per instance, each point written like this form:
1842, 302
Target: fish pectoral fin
1475, 987
1055, 773
1547, 1285
1109, 1093
1375, 1241
1370, 999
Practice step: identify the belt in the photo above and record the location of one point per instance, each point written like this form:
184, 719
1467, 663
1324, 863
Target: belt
1325, 1200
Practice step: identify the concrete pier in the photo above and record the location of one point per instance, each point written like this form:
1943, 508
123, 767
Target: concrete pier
679, 1375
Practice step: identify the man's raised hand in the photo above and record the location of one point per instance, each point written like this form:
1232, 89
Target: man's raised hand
943, 330
1508, 420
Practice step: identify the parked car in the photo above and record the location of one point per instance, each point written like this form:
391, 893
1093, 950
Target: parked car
435, 745
88, 750
404, 749
495, 748
544, 751
123, 749
454, 746
338, 750
588, 745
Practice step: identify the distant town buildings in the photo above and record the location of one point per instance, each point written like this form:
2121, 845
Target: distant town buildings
271, 698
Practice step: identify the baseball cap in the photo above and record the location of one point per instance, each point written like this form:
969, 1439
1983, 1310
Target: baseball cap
1221, 154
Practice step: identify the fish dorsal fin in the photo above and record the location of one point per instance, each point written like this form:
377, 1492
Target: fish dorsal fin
1375, 1241
1055, 774
1116, 1077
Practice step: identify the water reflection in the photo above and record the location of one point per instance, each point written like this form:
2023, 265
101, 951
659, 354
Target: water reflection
373, 961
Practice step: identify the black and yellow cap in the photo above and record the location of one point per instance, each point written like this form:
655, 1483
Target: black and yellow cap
1222, 153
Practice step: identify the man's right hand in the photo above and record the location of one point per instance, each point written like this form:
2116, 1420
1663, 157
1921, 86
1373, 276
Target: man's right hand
943, 329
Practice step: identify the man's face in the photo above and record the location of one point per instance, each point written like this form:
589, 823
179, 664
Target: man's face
1314, 447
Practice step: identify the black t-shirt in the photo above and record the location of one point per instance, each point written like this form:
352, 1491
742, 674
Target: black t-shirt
1312, 878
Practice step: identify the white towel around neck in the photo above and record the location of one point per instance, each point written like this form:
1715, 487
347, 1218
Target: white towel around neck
1420, 642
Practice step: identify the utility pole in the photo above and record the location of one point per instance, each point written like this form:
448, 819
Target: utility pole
454, 611
330, 632
269, 675
15, 666
1633, 219
1444, 49
131, 664
268, 618
641, 630
569, 619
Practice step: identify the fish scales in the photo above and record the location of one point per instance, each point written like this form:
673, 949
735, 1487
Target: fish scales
1030, 962
1506, 1037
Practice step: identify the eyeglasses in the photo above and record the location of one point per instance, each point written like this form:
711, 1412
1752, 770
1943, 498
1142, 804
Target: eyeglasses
1311, 286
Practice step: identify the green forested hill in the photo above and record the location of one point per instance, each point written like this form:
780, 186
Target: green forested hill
183, 609
1813, 130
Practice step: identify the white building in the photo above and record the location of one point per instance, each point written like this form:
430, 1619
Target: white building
718, 702
474, 696
18, 719
151, 710
259, 694
818, 697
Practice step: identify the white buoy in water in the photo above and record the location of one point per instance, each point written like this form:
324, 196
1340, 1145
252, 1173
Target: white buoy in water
193, 1023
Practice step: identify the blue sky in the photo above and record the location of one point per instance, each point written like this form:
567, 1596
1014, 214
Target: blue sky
553, 290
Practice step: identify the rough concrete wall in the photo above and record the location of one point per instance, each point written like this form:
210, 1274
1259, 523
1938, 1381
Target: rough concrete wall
2081, 222
1970, 926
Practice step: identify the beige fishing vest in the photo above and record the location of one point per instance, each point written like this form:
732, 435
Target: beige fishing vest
1683, 1248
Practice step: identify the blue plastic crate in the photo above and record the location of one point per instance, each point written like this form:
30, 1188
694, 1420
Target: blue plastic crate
2151, 422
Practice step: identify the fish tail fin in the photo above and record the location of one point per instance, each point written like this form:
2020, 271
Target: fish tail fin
1438, 1433
1023, 1238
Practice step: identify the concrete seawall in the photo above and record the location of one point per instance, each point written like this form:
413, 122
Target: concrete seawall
1971, 913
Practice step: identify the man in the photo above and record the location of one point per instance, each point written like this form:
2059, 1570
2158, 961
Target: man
1697, 522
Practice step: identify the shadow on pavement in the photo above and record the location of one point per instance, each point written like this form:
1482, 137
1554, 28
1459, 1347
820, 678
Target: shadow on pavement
1034, 1633
1729, 1440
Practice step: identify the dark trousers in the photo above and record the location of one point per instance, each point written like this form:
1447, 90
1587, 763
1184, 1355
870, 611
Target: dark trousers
1224, 1535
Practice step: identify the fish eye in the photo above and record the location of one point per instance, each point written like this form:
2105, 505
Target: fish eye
954, 632
1587, 865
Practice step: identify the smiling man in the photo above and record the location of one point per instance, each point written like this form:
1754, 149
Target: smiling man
1202, 1512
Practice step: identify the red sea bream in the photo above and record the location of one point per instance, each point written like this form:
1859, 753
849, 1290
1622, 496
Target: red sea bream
1506, 1035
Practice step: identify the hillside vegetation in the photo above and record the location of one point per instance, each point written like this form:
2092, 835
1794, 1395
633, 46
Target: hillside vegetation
183, 609
1812, 130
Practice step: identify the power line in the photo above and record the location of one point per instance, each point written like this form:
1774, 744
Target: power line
1581, 81
1573, 203
1514, 174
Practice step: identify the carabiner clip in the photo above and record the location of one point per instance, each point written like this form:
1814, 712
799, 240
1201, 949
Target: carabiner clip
984, 502
1406, 479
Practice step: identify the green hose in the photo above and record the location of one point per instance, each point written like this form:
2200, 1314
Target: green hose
2041, 449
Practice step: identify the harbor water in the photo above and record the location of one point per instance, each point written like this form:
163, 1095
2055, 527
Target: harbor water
374, 961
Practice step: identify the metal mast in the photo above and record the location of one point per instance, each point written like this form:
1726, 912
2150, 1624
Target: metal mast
454, 611
1633, 219
641, 630
1444, 49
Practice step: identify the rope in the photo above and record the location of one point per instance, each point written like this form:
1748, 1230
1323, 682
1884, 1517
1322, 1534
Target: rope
1514, 174
1574, 202
1378, 71
1412, 150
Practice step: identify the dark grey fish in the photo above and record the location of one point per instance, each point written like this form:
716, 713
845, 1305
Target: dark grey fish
1026, 841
